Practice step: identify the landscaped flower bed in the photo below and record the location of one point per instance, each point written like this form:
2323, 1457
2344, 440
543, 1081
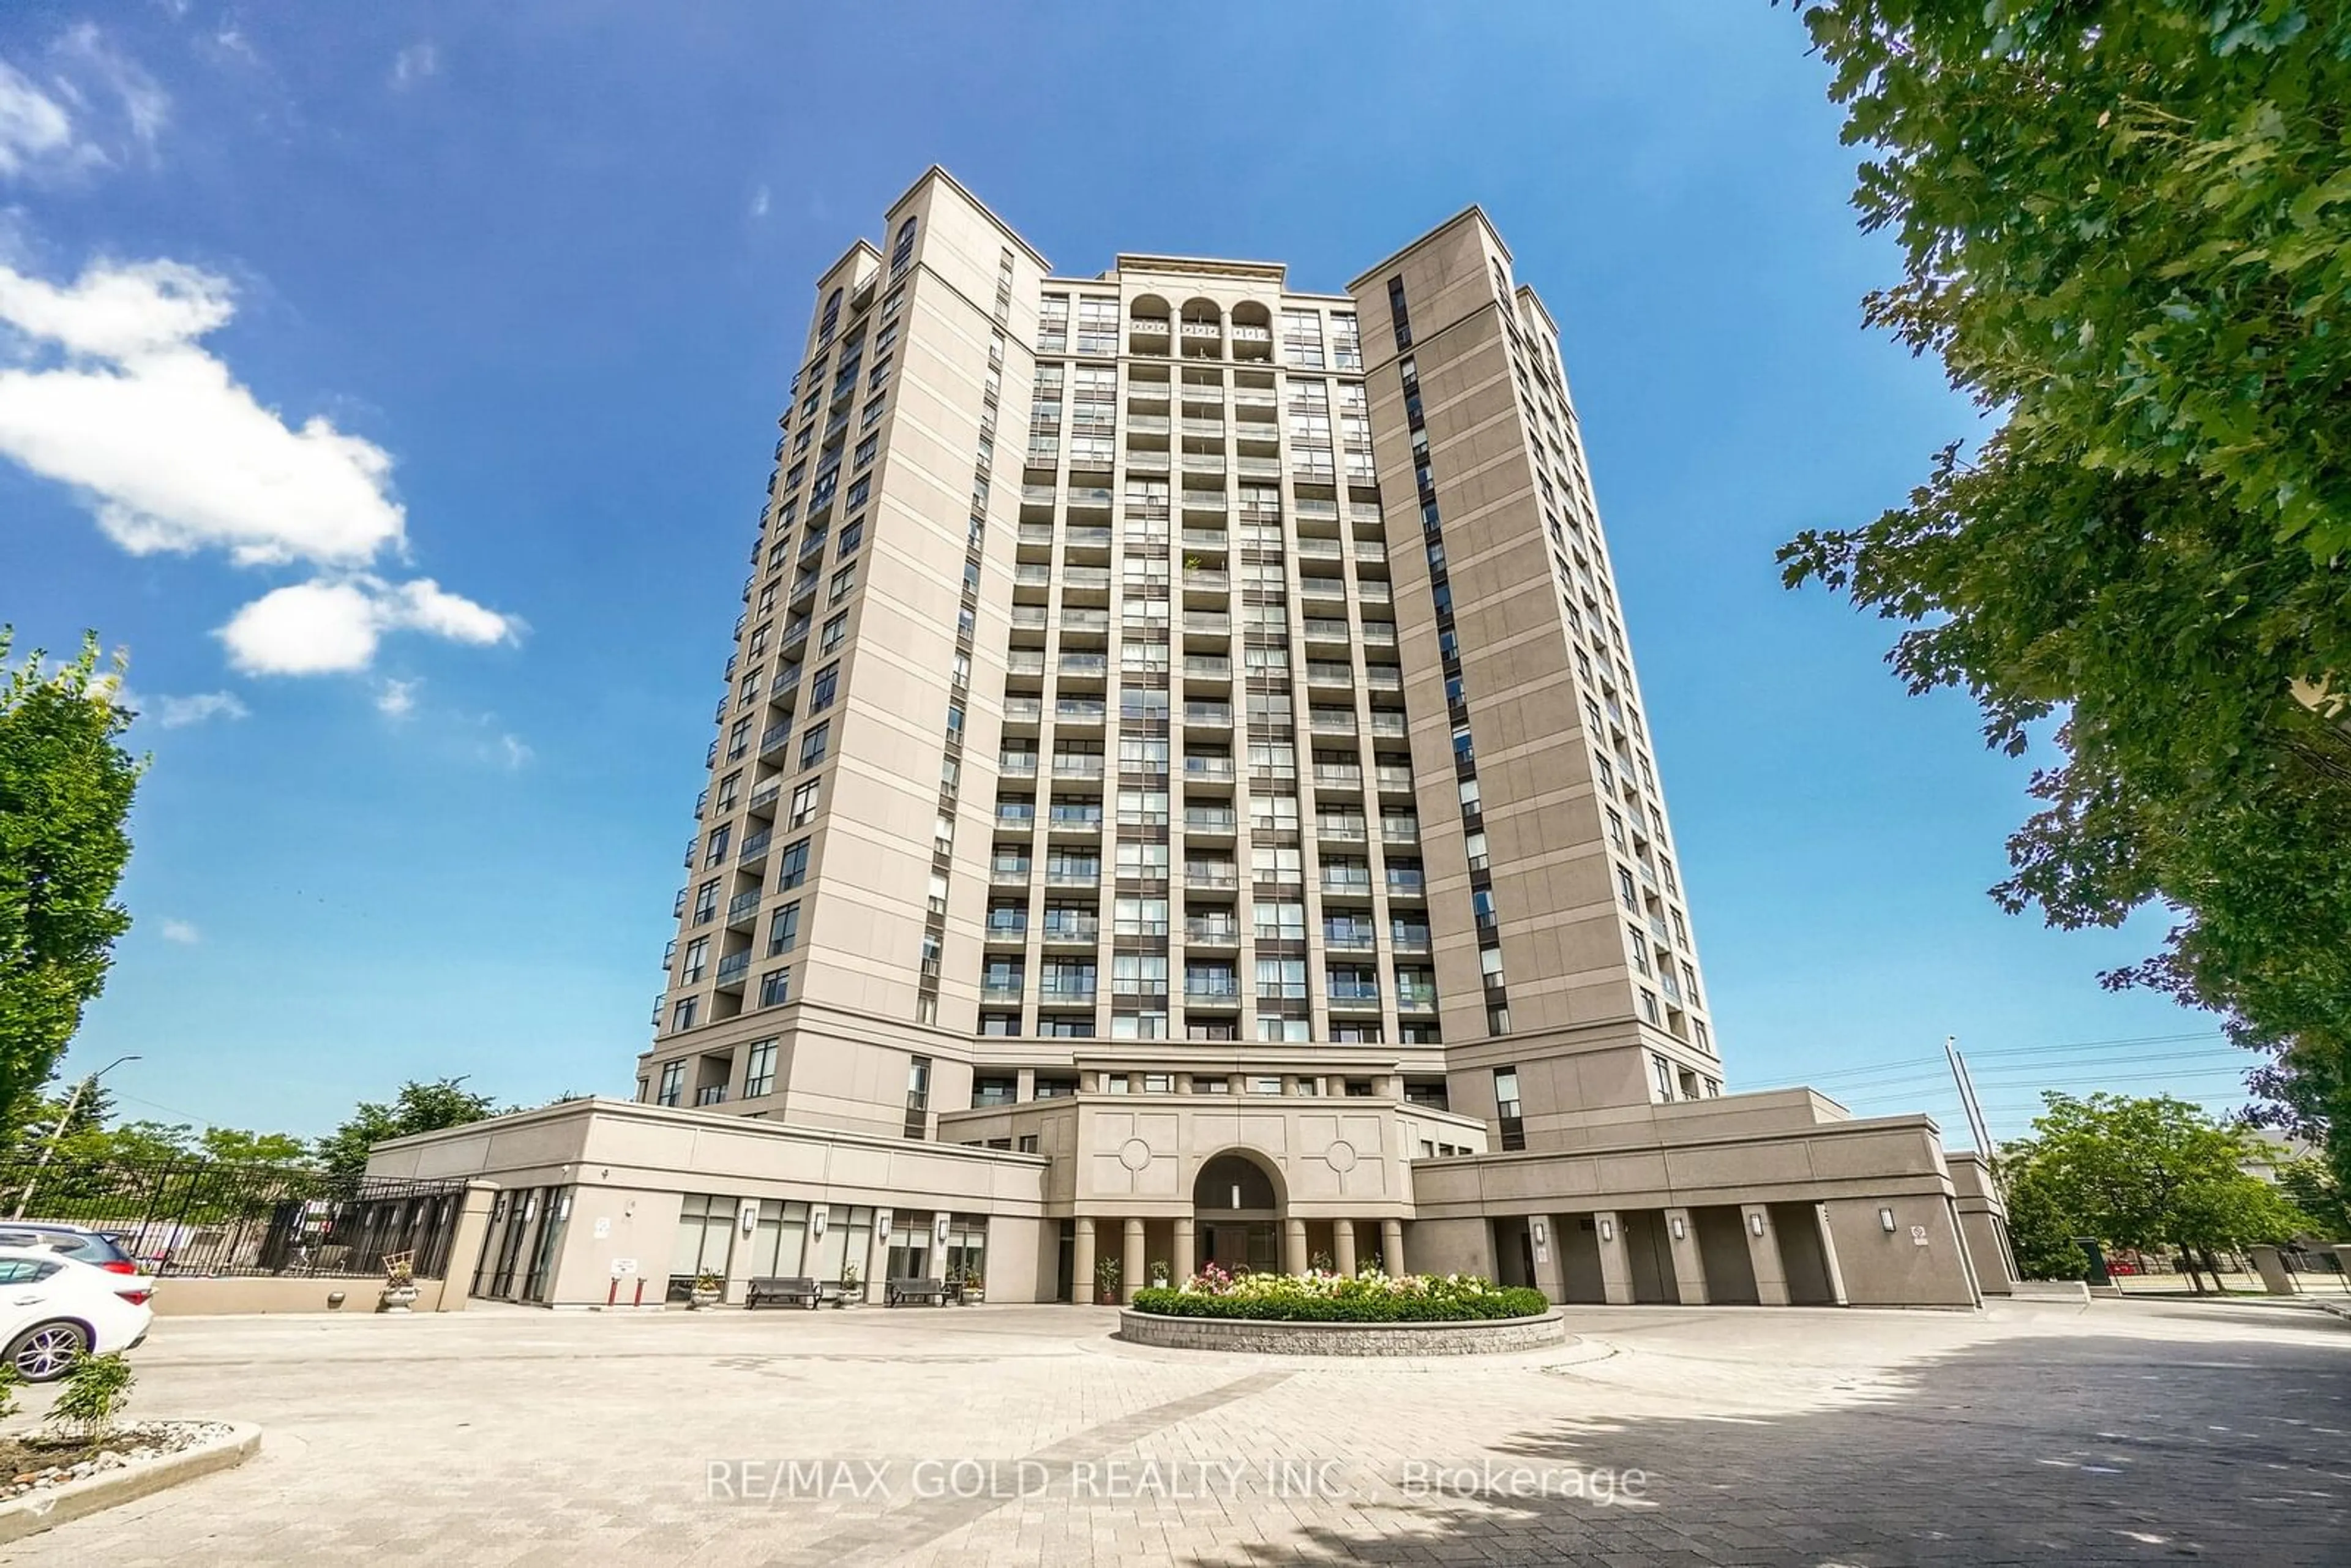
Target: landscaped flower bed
1369, 1297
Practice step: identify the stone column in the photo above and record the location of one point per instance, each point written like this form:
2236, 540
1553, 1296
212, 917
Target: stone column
1829, 1254
1763, 1256
2273, 1271
1342, 1245
1392, 1246
1549, 1255
1082, 1263
1179, 1268
1294, 1246
1689, 1266
467, 1241
1130, 1267
1615, 1269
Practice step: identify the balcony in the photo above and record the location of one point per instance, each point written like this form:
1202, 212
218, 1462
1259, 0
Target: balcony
1379, 633
1336, 885
1206, 501
775, 742
1205, 821
1334, 777
1342, 829
755, 849
1355, 995
733, 969
1016, 818
1089, 499
743, 910
1405, 937
1205, 931
1078, 710
1012, 929
1343, 937
1008, 872
1147, 423
1023, 710
1018, 765
1393, 780
1326, 628
1068, 930
1208, 715
1214, 991
711, 1094
1201, 878
1074, 819
1074, 874
1407, 884
1415, 999
1208, 770
1001, 991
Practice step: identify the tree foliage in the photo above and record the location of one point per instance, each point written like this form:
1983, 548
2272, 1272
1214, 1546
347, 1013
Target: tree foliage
2127, 228
417, 1108
65, 790
2038, 1228
2147, 1173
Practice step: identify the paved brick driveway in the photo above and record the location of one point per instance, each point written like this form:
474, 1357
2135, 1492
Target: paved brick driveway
2131, 1432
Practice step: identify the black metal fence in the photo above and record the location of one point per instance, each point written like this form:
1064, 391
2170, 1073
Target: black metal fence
201, 1217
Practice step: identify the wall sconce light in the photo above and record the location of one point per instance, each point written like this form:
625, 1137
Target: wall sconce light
816, 1221
1885, 1220
1541, 1235
1607, 1230
746, 1219
1678, 1231
1755, 1224
885, 1225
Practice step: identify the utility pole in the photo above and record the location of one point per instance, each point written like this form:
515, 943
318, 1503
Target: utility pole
50, 1149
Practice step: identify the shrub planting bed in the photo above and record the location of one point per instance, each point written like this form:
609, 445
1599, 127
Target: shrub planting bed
1318, 1298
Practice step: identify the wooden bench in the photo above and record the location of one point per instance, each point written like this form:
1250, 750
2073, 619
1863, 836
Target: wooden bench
898, 1292
797, 1290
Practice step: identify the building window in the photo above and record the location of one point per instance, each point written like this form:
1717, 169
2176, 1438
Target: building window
759, 1077
793, 869
902, 252
843, 583
705, 902
812, 745
834, 631
672, 1084
682, 1017
804, 803
1664, 1072
783, 929
823, 688
1506, 1109
831, 320
1650, 1008
918, 1095
697, 957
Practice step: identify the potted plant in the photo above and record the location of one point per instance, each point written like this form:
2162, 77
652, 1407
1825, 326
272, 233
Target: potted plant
973, 1288
849, 1294
1159, 1274
709, 1286
1106, 1273
399, 1293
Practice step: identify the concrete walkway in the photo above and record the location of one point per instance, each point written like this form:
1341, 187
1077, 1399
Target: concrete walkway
2121, 1432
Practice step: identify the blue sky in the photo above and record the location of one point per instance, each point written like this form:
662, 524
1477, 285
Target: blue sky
401, 393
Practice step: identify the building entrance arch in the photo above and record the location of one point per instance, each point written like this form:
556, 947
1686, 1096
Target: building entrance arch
1237, 1208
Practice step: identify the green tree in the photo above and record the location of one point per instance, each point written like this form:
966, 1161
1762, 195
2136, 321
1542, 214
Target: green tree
2311, 1188
2038, 1228
65, 790
2151, 1172
234, 1145
2127, 228
417, 1108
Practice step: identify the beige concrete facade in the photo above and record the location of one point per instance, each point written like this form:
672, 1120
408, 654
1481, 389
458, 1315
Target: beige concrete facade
1181, 741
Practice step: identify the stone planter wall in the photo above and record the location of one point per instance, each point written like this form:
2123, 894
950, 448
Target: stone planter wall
1480, 1337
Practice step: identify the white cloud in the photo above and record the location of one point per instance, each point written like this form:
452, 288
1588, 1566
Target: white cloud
413, 64
86, 58
396, 699
512, 751
34, 127
112, 394
181, 932
761, 199
177, 713
334, 625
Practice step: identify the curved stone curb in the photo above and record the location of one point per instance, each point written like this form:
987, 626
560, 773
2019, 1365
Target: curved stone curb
1482, 1336
37, 1512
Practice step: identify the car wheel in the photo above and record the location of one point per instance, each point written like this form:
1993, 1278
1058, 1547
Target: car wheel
46, 1351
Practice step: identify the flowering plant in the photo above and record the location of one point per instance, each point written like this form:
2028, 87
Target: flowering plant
1320, 1297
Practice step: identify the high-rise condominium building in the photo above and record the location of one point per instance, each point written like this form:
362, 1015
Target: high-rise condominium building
1181, 734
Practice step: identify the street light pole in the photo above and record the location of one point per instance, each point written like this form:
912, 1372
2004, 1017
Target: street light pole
50, 1149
